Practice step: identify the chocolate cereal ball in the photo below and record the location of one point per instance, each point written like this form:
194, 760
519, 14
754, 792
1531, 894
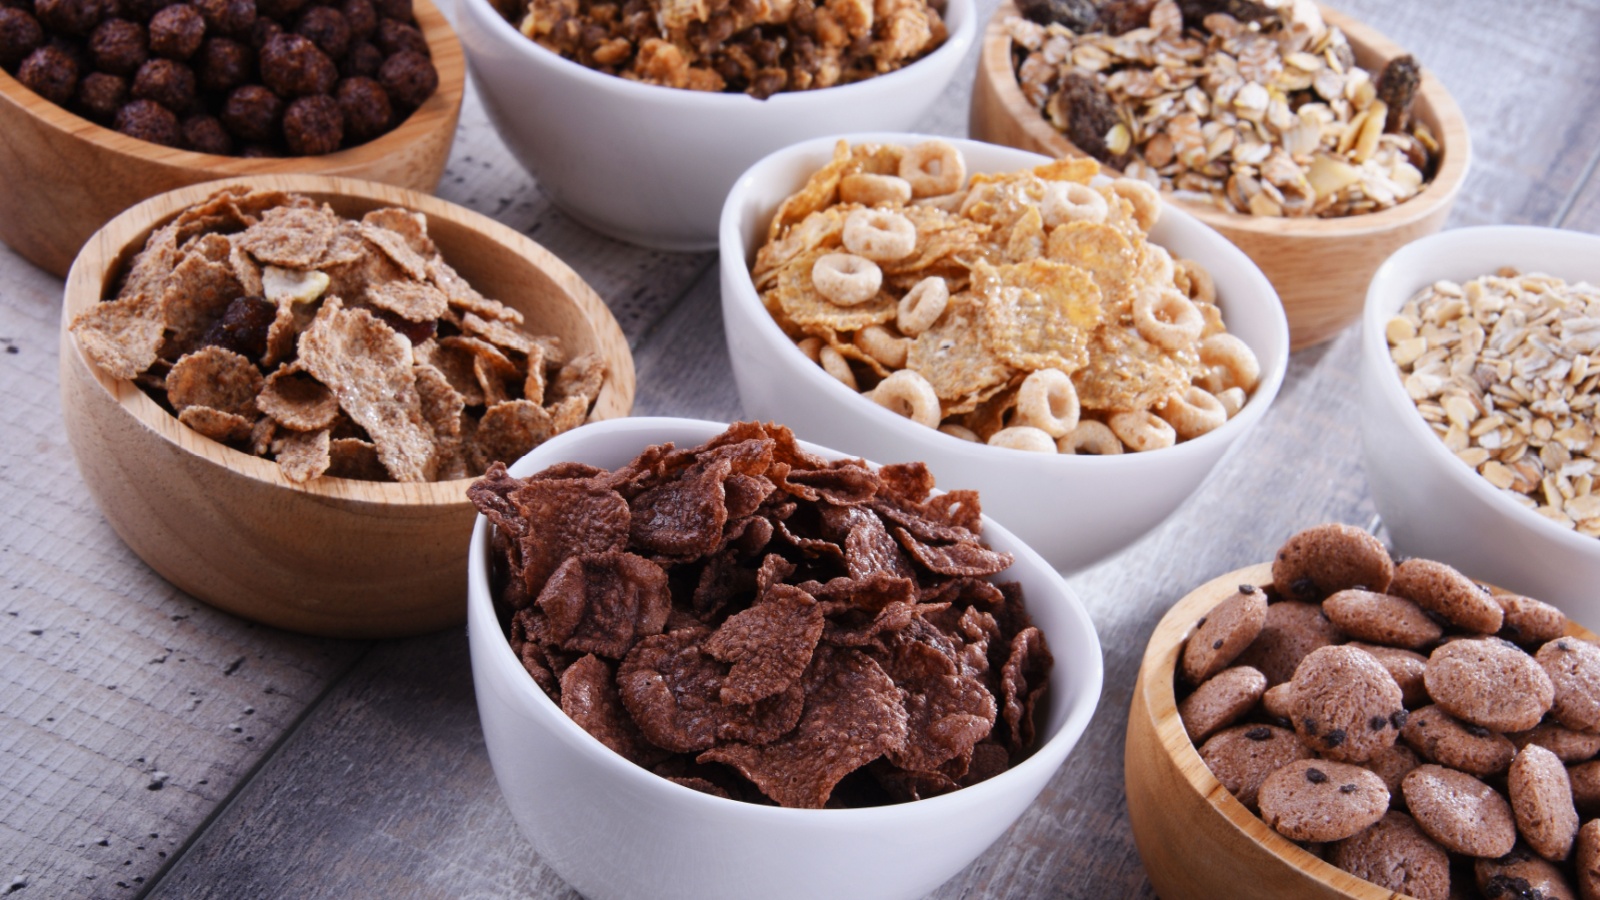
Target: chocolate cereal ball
364, 59
141, 10
206, 134
327, 29
293, 67
227, 18
313, 126
51, 73
282, 10
366, 108
20, 35
168, 83
223, 64
100, 95
409, 78
176, 32
118, 46
399, 10
72, 18
362, 18
397, 37
252, 113
262, 31
148, 120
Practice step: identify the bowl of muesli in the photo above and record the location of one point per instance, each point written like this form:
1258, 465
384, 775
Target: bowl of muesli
1305, 137
1478, 413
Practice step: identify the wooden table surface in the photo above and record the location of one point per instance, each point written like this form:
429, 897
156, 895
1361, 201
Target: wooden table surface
151, 746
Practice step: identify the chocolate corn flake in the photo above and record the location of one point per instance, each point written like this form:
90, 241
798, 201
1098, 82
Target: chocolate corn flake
768, 622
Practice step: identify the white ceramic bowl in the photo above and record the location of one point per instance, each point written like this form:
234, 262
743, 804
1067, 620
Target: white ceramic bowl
1074, 510
1434, 504
651, 165
612, 829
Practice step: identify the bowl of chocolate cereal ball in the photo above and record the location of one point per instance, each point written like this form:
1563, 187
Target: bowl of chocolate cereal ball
635, 117
278, 389
1305, 137
1069, 345
764, 667
106, 104
1336, 723
1478, 416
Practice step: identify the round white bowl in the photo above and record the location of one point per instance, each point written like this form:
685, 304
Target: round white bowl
649, 164
612, 829
1434, 504
1074, 510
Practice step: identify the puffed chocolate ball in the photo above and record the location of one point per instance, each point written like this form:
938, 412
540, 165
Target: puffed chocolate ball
409, 78
223, 64
366, 108
327, 29
361, 16
168, 83
313, 126
364, 59
282, 10
293, 66
20, 35
118, 46
72, 18
397, 37
148, 120
252, 113
142, 10
262, 31
51, 73
100, 95
206, 134
227, 18
176, 32
399, 10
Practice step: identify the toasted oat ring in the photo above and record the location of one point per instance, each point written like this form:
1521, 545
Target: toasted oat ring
1023, 437
1233, 358
837, 366
1145, 198
1165, 269
1048, 401
922, 306
1232, 400
933, 168
907, 393
883, 345
1091, 437
1201, 285
881, 235
871, 190
811, 347
959, 431
846, 279
1193, 412
1069, 201
1166, 318
1142, 431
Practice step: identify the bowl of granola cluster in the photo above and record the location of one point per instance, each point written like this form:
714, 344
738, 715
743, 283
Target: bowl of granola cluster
276, 389
751, 663
1478, 414
645, 111
1305, 137
1076, 350
104, 106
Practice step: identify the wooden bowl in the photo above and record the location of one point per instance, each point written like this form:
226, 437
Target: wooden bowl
65, 176
1197, 841
333, 556
1320, 267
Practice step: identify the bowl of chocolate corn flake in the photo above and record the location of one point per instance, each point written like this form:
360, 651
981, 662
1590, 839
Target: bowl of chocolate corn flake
278, 389
645, 111
106, 104
759, 667
1305, 137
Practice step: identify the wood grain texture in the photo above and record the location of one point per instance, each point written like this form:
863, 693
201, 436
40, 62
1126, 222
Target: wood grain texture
66, 176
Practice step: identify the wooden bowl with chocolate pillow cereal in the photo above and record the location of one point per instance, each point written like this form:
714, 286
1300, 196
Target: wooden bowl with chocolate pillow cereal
350, 331
66, 175
1343, 792
1319, 263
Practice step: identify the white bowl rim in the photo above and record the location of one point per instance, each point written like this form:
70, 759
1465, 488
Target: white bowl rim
956, 44
731, 247
1375, 346
480, 613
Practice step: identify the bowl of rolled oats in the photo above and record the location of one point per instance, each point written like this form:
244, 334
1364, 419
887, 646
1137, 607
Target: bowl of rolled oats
278, 389
807, 706
1307, 138
1479, 397
1075, 349
635, 118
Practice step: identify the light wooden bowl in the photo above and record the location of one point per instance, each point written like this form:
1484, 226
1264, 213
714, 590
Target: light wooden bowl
1197, 841
65, 176
335, 556
1320, 267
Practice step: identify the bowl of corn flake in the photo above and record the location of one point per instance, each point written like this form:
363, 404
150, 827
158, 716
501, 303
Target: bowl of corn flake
1479, 398
278, 389
1305, 137
1069, 345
